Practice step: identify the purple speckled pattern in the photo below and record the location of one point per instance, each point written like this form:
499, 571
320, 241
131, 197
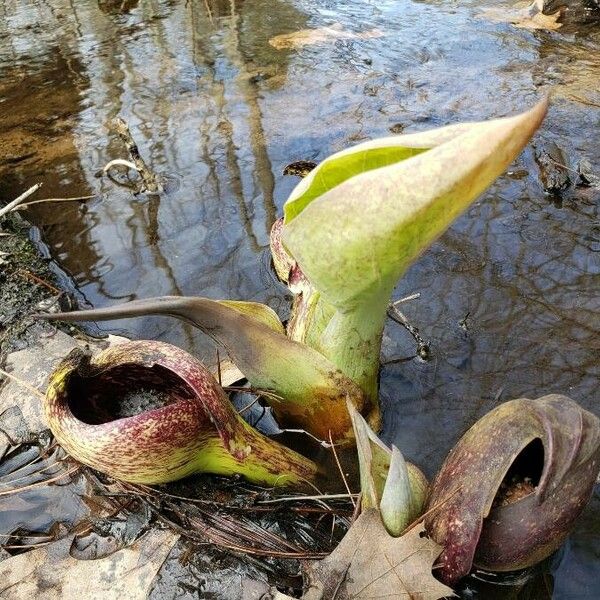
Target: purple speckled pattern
522, 533
161, 444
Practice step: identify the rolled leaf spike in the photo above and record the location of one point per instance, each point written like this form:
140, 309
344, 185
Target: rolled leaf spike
388, 483
313, 391
182, 421
512, 535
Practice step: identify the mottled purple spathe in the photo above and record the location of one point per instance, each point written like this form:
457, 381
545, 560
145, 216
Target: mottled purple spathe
525, 532
165, 443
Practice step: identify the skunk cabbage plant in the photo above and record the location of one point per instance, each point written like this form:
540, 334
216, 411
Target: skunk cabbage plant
555, 445
148, 412
350, 230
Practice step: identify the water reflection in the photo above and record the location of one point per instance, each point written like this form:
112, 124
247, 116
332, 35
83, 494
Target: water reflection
508, 298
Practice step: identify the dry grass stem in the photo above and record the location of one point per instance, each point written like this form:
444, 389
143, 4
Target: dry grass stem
339, 466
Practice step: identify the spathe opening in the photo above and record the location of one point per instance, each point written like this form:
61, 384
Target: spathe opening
123, 391
523, 476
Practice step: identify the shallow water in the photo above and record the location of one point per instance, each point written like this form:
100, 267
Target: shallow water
509, 296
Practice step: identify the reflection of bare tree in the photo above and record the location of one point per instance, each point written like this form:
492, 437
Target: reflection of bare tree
117, 6
571, 65
184, 76
525, 278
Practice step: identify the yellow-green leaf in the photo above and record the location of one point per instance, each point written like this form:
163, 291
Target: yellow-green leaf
367, 156
354, 241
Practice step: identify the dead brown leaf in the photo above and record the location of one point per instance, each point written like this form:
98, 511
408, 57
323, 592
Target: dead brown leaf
51, 573
527, 17
370, 564
322, 35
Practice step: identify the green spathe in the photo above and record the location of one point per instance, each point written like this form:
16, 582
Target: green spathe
355, 240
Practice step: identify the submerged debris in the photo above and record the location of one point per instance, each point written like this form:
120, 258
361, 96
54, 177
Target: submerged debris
588, 176
554, 174
301, 168
321, 35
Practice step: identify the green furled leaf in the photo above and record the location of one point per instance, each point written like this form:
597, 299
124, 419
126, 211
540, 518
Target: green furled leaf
388, 483
354, 241
396, 501
367, 156
313, 391
373, 460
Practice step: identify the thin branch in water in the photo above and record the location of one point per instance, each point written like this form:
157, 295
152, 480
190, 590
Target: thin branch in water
414, 296
399, 359
47, 200
422, 346
150, 180
11, 205
248, 406
220, 379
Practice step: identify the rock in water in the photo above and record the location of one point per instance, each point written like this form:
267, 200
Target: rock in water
554, 174
573, 11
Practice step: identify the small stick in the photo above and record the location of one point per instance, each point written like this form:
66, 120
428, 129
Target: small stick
219, 369
318, 497
339, 466
11, 205
310, 435
399, 317
150, 180
248, 406
43, 200
28, 274
414, 296
118, 162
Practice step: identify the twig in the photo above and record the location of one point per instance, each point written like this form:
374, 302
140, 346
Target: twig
38, 545
310, 435
29, 275
584, 100
422, 346
248, 406
44, 200
20, 199
220, 378
414, 296
339, 466
317, 497
118, 162
150, 180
